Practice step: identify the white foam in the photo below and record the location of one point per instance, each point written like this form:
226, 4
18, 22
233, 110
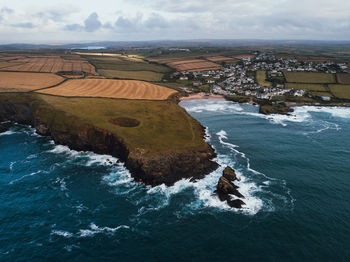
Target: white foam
8, 133
29, 175
62, 233
211, 105
92, 158
94, 229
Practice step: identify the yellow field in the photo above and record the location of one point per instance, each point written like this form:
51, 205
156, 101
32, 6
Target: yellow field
307, 77
45, 64
340, 91
310, 87
261, 78
128, 89
23, 82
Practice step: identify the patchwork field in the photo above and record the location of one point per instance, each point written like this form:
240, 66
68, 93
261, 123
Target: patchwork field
194, 65
261, 78
308, 77
340, 91
127, 89
310, 87
23, 82
44, 63
343, 79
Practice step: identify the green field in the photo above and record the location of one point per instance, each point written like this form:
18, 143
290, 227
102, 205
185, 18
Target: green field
164, 126
310, 87
306, 77
316, 93
261, 78
112, 67
340, 91
135, 75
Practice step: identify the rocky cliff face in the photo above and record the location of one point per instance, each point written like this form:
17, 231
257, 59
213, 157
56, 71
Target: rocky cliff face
152, 169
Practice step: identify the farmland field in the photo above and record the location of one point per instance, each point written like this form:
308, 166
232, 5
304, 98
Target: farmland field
261, 78
23, 82
317, 93
194, 65
134, 75
310, 87
343, 79
45, 64
219, 58
118, 66
306, 77
340, 91
127, 89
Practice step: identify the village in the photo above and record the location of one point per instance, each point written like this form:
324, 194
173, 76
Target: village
241, 78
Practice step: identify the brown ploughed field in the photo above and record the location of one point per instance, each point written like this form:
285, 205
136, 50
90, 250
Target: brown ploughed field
127, 89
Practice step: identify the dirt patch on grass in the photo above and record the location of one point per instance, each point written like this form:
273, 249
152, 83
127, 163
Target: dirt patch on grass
125, 122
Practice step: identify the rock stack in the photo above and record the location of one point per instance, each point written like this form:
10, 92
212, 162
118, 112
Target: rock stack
226, 188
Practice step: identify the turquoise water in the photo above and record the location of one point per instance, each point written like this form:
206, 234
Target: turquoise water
62, 205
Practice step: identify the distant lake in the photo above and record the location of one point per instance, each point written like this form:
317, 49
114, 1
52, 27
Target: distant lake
91, 47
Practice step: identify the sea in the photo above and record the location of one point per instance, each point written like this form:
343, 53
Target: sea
57, 204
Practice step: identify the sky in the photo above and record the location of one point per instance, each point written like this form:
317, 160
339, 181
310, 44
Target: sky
67, 21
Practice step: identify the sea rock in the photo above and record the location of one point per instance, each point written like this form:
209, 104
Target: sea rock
4, 126
281, 108
226, 188
229, 174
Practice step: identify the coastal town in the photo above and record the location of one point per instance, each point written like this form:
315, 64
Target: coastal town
259, 75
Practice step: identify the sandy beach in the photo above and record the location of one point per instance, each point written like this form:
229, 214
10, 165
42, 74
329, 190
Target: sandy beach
200, 96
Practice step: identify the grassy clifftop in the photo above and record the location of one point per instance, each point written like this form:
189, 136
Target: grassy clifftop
163, 125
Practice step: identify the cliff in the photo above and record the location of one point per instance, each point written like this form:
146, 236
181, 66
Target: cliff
153, 167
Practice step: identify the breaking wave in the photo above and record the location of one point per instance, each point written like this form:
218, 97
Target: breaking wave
90, 232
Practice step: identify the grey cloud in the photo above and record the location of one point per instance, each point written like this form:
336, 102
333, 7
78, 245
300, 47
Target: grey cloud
7, 10
27, 25
91, 24
74, 27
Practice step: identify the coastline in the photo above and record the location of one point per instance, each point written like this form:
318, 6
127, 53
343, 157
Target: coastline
147, 166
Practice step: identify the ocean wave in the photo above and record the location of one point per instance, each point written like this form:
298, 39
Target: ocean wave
62, 233
301, 114
23, 177
91, 158
90, 232
8, 133
212, 106
94, 229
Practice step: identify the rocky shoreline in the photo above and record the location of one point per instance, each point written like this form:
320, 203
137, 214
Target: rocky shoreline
152, 169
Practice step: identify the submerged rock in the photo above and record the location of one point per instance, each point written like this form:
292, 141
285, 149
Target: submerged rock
226, 188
